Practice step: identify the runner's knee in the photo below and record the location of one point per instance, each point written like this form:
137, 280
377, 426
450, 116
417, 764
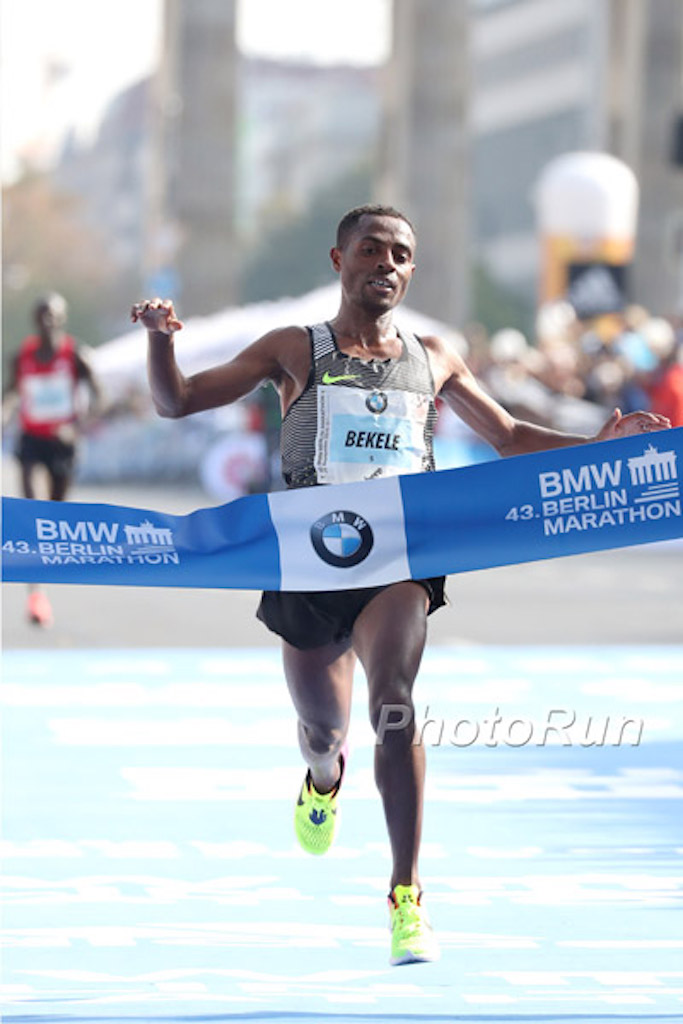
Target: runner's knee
391, 707
322, 739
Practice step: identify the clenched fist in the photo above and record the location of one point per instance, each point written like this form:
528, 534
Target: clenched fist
156, 315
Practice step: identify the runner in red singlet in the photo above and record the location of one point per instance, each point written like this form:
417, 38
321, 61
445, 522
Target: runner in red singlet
44, 382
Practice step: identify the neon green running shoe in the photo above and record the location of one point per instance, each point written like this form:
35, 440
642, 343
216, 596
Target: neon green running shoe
316, 815
412, 938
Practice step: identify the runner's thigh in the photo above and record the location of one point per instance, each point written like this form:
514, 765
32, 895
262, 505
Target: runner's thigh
389, 638
320, 682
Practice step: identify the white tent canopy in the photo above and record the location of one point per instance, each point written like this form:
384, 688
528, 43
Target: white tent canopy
120, 364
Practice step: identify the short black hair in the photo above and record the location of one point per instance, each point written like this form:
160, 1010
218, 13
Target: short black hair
350, 220
48, 299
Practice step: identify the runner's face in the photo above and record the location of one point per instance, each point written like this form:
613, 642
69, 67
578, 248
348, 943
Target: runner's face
51, 315
376, 264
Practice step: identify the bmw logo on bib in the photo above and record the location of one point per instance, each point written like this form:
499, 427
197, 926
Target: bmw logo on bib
342, 539
376, 402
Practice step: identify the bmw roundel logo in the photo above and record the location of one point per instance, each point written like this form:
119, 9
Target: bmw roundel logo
342, 539
376, 402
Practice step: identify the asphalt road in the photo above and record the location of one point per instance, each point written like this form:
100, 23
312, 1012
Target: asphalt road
627, 596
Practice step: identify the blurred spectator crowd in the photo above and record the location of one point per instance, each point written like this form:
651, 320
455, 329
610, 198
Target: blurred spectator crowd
575, 374
570, 376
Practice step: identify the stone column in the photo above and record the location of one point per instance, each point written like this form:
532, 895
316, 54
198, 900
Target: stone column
191, 244
425, 151
658, 271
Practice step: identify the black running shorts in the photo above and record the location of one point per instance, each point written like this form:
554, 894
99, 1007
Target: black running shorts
59, 457
308, 620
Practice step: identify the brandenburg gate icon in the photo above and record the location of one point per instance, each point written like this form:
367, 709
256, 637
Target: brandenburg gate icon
653, 467
145, 533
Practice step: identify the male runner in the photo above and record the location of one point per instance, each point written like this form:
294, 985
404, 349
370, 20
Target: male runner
350, 376
44, 382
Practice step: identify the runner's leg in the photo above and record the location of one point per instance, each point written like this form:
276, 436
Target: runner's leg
27, 470
389, 637
59, 486
38, 607
62, 470
320, 682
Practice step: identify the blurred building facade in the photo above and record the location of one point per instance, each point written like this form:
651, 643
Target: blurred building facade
298, 128
544, 78
425, 161
478, 96
109, 174
191, 180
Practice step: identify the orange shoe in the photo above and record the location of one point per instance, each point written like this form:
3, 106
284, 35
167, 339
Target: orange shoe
39, 609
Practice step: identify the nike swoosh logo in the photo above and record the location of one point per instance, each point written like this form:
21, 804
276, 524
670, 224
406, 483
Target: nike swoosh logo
329, 379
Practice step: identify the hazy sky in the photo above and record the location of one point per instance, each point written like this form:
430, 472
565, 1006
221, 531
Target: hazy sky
63, 59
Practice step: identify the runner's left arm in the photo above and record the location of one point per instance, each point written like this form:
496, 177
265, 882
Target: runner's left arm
504, 432
87, 375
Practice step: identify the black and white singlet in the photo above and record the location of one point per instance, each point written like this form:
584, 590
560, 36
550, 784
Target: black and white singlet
359, 420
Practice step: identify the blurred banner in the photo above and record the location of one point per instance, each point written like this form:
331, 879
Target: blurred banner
564, 502
586, 209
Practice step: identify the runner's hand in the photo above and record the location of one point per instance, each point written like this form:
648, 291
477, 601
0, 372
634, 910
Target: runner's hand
156, 315
633, 423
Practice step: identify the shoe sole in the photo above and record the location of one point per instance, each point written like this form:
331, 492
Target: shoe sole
39, 620
412, 958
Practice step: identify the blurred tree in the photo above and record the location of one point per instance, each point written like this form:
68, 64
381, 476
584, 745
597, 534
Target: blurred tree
496, 306
47, 246
290, 257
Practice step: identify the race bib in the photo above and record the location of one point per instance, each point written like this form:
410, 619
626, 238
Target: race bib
48, 398
367, 434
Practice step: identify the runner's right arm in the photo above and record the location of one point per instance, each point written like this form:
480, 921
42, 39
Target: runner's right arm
176, 395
